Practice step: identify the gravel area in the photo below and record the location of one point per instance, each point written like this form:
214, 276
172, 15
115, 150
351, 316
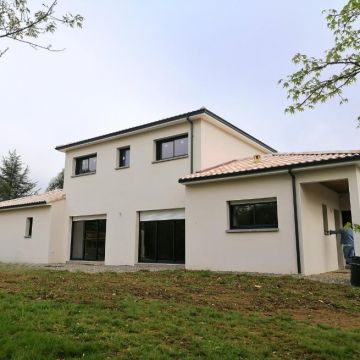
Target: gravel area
90, 267
334, 277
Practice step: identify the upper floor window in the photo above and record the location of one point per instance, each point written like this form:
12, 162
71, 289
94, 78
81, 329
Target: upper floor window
124, 157
172, 147
256, 214
85, 164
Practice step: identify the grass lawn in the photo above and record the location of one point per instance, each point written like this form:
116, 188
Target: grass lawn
48, 314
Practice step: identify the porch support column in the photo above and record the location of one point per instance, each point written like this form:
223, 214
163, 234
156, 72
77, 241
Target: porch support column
354, 189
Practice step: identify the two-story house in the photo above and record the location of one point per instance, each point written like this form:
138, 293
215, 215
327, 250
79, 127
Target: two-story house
191, 189
124, 202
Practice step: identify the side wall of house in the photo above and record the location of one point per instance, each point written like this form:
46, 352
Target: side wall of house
15, 247
210, 246
220, 144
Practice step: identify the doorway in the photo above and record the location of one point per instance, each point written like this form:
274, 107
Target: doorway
162, 241
88, 240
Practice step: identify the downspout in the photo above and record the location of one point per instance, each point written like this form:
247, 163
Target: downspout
191, 144
296, 221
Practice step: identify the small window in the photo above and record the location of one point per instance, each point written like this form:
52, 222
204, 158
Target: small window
172, 147
325, 219
124, 157
29, 226
253, 215
85, 164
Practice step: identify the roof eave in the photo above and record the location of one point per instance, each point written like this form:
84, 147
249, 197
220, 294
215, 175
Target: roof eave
144, 127
129, 131
242, 132
275, 170
25, 206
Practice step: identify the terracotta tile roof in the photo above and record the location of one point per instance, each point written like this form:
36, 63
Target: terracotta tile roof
33, 200
276, 161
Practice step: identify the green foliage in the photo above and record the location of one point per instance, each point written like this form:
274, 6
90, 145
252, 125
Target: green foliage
57, 182
14, 178
355, 227
321, 79
18, 22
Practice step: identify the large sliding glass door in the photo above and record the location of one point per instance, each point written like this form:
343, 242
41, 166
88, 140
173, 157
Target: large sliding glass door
162, 241
88, 240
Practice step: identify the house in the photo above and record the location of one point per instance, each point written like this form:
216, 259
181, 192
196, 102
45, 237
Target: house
191, 189
32, 228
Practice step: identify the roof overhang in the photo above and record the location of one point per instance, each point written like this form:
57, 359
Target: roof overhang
159, 124
273, 171
25, 206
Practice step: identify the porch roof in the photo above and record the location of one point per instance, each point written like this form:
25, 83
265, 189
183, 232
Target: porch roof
33, 200
271, 162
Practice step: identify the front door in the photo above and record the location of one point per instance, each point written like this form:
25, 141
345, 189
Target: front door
88, 240
162, 241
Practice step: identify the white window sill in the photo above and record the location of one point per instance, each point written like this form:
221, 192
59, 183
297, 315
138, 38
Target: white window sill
230, 231
170, 159
122, 167
84, 174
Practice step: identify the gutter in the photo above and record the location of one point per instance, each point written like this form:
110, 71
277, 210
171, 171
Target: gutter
296, 221
191, 144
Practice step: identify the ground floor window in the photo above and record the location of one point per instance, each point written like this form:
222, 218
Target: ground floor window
253, 214
162, 241
88, 240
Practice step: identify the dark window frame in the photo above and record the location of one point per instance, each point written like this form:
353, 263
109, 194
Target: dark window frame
325, 218
120, 151
83, 258
158, 147
253, 204
78, 162
175, 256
29, 227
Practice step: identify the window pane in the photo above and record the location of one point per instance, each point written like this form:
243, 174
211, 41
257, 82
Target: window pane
92, 164
84, 165
179, 244
325, 218
165, 240
181, 146
124, 157
147, 241
242, 216
167, 149
266, 214
77, 240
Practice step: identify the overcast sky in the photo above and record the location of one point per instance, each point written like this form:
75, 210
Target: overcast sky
140, 61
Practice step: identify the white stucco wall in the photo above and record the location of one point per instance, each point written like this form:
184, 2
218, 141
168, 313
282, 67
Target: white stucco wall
14, 246
121, 194
319, 250
220, 144
58, 234
209, 246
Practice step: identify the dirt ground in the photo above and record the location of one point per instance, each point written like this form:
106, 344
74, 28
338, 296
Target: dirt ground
334, 277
